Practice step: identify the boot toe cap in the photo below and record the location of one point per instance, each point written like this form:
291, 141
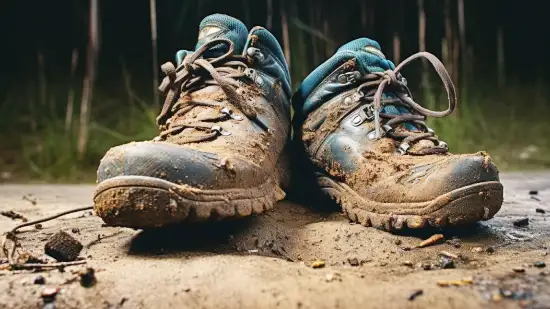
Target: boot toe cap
180, 165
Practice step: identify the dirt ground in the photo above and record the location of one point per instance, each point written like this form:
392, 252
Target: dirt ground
265, 262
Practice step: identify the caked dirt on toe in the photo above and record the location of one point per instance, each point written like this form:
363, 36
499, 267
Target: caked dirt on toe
267, 261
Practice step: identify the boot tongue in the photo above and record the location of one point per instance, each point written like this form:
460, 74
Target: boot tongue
371, 59
218, 26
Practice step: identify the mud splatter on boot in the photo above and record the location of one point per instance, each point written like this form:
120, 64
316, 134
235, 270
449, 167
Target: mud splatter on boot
223, 128
368, 148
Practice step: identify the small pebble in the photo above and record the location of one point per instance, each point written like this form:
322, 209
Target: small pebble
318, 264
39, 280
477, 249
521, 222
87, 277
398, 242
448, 254
406, 248
38, 226
496, 297
533, 192
332, 277
518, 269
540, 211
49, 292
490, 249
353, 261
415, 294
446, 263
383, 264
427, 266
408, 263
506, 293
455, 242
75, 230
540, 264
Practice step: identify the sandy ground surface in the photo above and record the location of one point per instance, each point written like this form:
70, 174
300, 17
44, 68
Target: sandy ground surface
265, 262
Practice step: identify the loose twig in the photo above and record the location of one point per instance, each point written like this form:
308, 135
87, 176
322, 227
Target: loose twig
11, 235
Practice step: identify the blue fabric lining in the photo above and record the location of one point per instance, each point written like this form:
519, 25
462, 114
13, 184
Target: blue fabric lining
369, 61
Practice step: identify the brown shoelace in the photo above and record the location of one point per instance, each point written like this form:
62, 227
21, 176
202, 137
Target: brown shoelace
391, 81
195, 73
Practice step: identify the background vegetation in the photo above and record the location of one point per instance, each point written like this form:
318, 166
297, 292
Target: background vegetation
79, 76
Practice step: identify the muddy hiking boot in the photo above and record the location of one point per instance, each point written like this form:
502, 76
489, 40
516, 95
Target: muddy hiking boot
368, 148
223, 128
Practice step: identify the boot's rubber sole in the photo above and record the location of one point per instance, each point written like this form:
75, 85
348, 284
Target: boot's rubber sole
147, 202
466, 205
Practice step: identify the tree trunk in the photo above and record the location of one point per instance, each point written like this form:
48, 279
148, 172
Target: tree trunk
269, 22
70, 96
422, 39
286, 39
153, 17
501, 64
462, 34
396, 47
364, 15
87, 90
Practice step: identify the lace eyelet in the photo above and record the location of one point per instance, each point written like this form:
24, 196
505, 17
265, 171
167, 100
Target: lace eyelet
255, 53
402, 149
220, 130
230, 113
348, 100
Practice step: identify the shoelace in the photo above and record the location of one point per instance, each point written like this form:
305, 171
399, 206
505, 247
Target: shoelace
193, 74
391, 80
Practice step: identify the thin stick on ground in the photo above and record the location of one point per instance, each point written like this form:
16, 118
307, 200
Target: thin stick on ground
11, 235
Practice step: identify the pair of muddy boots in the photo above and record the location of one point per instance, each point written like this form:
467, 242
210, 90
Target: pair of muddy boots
225, 143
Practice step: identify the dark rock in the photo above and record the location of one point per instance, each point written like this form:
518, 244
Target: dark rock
518, 269
427, 266
75, 230
455, 242
353, 261
40, 280
49, 305
415, 294
398, 242
87, 277
521, 222
445, 263
38, 226
540, 211
63, 247
533, 192
490, 249
540, 264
